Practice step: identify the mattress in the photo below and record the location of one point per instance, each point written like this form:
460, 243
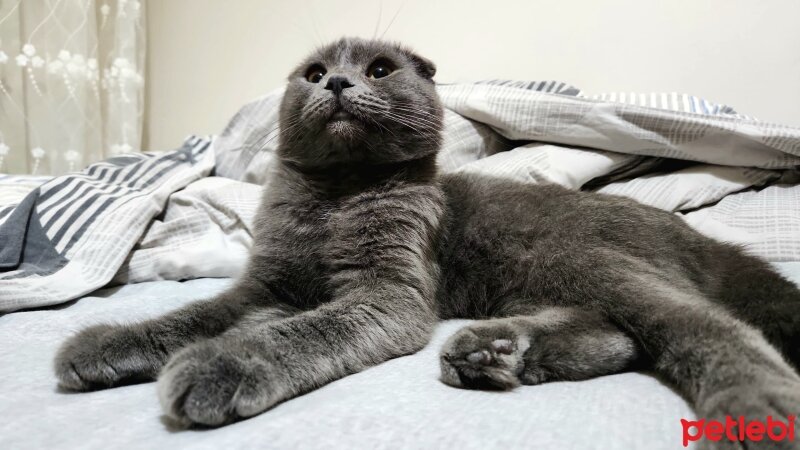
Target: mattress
398, 404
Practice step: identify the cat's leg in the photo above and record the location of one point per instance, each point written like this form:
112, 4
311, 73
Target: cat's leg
249, 369
724, 366
383, 284
104, 356
553, 344
754, 292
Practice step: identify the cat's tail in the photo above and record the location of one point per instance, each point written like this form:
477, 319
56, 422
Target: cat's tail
756, 293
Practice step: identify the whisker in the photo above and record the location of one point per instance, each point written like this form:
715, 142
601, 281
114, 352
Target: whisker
419, 121
380, 15
392, 21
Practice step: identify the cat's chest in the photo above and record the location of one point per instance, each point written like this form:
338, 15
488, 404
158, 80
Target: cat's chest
311, 242
320, 246
322, 232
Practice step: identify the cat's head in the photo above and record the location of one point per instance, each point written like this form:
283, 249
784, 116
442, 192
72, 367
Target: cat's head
360, 101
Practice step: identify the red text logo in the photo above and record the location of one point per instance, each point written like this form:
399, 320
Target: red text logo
738, 429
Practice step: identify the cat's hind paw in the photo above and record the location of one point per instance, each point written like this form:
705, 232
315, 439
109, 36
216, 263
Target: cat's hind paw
484, 356
767, 398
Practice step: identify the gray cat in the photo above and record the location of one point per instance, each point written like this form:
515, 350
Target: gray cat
360, 248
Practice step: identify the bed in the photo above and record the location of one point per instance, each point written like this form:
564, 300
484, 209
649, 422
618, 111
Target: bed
141, 235
398, 404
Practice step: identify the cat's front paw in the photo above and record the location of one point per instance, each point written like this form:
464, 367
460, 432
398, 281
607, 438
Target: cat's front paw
104, 356
774, 397
215, 382
484, 356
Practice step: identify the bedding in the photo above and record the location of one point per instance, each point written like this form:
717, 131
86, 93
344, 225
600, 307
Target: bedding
69, 236
395, 405
13, 188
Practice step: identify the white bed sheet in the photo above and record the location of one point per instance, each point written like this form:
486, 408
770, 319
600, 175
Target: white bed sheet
398, 404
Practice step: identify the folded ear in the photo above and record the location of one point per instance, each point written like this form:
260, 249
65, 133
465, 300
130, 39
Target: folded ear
425, 67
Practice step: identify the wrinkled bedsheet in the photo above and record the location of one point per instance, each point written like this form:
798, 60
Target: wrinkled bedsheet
398, 404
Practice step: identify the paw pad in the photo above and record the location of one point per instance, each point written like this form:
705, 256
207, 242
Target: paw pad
503, 346
484, 357
480, 357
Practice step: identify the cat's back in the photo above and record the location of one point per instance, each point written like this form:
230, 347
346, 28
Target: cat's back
542, 210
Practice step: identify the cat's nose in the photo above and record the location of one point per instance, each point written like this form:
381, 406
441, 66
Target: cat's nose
337, 84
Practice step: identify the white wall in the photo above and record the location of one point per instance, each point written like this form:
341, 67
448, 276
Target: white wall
207, 57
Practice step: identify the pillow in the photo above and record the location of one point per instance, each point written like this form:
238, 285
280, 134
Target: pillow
245, 149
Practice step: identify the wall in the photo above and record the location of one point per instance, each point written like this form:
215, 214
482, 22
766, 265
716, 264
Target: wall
207, 57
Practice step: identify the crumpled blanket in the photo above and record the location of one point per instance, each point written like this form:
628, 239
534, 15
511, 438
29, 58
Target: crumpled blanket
151, 217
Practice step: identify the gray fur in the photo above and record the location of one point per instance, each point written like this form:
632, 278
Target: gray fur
361, 247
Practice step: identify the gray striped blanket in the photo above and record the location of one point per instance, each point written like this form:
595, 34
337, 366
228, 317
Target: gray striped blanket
149, 217
70, 235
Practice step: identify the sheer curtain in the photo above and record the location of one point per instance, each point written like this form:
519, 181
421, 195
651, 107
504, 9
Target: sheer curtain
71, 82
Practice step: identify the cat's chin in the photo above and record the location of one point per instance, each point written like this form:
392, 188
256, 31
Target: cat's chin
347, 129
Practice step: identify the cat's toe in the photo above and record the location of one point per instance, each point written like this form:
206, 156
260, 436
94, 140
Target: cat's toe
483, 358
70, 377
205, 384
503, 346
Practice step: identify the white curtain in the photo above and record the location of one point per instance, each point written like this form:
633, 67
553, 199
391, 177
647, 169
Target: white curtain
71, 82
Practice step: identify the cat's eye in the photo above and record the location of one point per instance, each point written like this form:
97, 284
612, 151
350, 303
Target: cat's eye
379, 69
315, 73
